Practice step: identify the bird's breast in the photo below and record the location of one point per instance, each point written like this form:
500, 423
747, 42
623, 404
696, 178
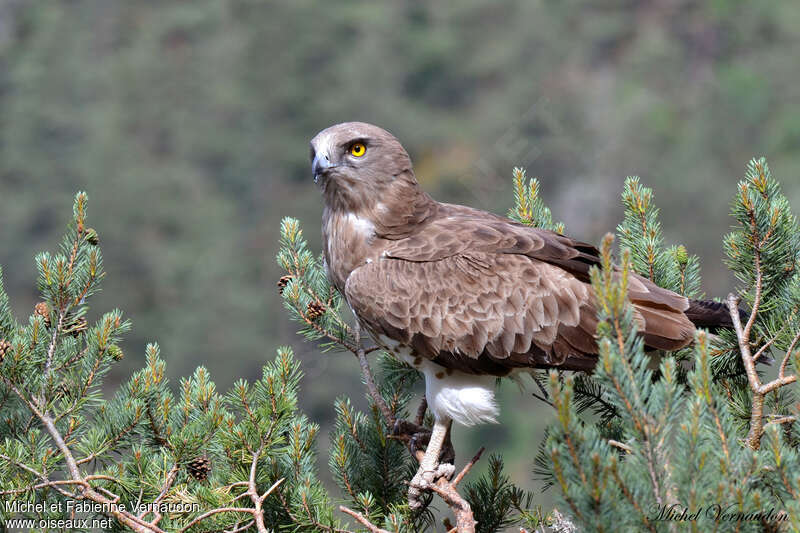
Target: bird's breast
348, 240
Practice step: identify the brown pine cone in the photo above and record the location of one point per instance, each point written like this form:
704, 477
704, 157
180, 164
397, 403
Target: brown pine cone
315, 310
43, 310
199, 468
78, 326
64, 391
5, 347
283, 282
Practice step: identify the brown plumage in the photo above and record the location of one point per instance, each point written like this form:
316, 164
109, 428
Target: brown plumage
461, 294
469, 290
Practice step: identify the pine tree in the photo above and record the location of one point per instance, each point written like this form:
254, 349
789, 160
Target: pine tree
149, 459
721, 443
156, 458
633, 446
529, 208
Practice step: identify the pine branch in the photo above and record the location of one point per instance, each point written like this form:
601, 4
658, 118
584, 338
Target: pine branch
529, 209
759, 389
362, 520
640, 233
51, 376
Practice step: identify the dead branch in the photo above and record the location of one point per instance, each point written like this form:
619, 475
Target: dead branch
213, 512
468, 467
465, 521
759, 389
621, 445
362, 520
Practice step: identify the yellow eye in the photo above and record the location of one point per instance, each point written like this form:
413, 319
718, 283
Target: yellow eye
358, 149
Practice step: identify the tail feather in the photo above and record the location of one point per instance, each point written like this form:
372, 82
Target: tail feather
711, 315
664, 329
715, 316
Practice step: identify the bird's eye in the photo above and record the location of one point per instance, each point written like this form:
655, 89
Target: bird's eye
358, 149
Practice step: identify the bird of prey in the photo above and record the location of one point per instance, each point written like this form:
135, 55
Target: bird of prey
462, 295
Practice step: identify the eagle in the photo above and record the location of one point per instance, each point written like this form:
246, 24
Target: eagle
462, 295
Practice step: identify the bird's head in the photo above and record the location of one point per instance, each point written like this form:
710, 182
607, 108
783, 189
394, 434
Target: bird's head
354, 159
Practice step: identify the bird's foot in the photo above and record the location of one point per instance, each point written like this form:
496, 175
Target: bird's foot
418, 437
415, 435
422, 481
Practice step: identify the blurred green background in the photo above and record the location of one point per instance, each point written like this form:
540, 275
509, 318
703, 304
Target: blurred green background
188, 124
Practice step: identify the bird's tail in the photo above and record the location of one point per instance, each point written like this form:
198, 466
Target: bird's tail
715, 316
711, 315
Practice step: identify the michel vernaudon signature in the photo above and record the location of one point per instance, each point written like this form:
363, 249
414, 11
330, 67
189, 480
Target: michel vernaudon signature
676, 512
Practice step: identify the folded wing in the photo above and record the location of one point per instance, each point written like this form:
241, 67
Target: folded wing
484, 295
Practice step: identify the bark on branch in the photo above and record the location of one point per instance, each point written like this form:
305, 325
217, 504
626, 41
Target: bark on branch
759, 389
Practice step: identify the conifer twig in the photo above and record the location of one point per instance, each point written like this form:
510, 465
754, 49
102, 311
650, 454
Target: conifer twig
244, 527
465, 520
621, 445
423, 406
782, 420
362, 520
369, 379
252, 492
50, 353
86, 490
110, 442
212, 513
468, 467
164, 490
758, 389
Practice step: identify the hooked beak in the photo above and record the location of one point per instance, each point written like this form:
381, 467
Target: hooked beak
320, 165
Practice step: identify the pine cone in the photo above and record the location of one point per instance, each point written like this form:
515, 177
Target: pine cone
5, 347
92, 237
283, 282
43, 310
199, 467
64, 391
78, 326
315, 310
116, 352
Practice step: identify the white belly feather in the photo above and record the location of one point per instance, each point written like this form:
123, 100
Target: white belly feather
467, 399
